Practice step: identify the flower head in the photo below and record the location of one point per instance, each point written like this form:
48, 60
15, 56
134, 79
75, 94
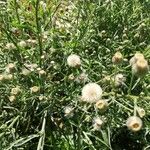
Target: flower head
119, 79
101, 105
91, 92
42, 72
141, 112
10, 67
34, 89
74, 60
71, 77
25, 72
135, 58
134, 123
1, 77
12, 98
43, 5
31, 42
117, 58
16, 90
83, 77
10, 46
22, 44
97, 123
8, 76
68, 111
42, 97
140, 68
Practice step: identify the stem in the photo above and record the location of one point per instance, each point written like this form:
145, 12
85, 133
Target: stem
38, 29
126, 96
42, 138
138, 81
16, 10
17, 50
52, 15
135, 106
131, 82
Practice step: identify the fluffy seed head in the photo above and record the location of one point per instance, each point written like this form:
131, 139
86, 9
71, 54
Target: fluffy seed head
68, 111
15, 91
117, 58
140, 68
42, 97
8, 76
43, 57
22, 44
12, 98
43, 4
42, 72
71, 77
135, 58
31, 42
10, 67
74, 60
134, 123
97, 123
91, 92
83, 77
1, 77
10, 46
141, 112
119, 79
34, 89
25, 72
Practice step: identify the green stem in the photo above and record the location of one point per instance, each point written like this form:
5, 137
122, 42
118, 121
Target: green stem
42, 138
38, 29
17, 50
16, 10
135, 106
130, 86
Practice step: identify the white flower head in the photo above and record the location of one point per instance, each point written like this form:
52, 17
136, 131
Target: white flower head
43, 57
119, 79
10, 67
135, 58
101, 105
141, 112
140, 68
22, 44
91, 92
25, 72
34, 89
117, 58
43, 4
68, 111
1, 77
83, 77
97, 123
74, 60
12, 98
42, 72
31, 42
71, 77
42, 97
16, 90
134, 123
31, 67
10, 46
8, 76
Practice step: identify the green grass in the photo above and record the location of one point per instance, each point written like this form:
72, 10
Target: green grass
94, 30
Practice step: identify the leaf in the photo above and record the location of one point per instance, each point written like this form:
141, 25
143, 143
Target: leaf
22, 141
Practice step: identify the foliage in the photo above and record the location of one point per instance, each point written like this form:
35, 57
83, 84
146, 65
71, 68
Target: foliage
44, 34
